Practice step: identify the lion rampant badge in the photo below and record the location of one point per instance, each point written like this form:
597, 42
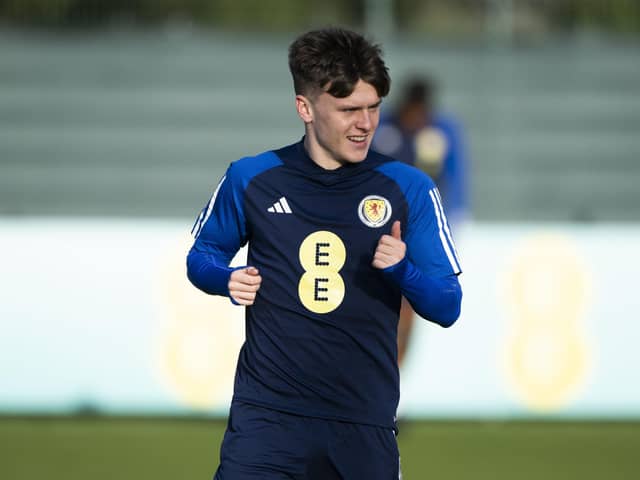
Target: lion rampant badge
374, 211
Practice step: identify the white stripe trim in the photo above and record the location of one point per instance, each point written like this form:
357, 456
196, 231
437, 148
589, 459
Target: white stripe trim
285, 205
446, 229
278, 207
445, 244
209, 207
196, 225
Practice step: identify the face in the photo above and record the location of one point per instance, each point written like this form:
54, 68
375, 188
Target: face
339, 130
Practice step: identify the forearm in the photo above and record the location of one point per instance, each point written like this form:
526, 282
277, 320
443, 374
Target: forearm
436, 299
209, 274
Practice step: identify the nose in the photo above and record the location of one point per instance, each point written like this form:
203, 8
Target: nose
364, 120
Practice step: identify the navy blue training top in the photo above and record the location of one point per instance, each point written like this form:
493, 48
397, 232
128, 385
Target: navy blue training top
321, 334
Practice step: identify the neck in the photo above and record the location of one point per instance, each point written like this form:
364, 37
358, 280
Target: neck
318, 154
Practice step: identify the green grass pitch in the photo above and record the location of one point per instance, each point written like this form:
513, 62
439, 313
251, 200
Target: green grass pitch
104, 448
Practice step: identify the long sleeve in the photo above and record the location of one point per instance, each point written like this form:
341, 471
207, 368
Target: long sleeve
427, 276
219, 233
437, 299
208, 272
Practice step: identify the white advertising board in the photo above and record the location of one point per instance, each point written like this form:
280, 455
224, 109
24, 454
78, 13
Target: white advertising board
98, 314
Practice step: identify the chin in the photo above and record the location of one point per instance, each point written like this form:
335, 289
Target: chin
356, 157
352, 159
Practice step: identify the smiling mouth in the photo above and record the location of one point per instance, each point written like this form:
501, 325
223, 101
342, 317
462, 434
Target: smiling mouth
358, 138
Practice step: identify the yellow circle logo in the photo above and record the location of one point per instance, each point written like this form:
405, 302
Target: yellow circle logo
322, 255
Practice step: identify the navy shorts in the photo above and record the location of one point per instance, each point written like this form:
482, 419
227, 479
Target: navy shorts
263, 444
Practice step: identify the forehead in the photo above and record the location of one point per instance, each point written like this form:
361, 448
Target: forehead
364, 94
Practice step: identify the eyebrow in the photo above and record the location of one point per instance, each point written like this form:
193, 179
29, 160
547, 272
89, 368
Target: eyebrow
355, 107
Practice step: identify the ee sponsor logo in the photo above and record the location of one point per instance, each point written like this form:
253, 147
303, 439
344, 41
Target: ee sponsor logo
322, 255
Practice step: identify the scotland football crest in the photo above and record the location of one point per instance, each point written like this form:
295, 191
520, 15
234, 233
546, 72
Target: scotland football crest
374, 211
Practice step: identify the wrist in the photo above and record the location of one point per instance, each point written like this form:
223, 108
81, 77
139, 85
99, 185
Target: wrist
231, 270
398, 271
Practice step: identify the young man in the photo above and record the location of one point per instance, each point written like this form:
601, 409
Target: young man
336, 234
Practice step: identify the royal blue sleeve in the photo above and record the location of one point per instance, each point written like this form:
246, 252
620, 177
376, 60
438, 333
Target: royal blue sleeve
427, 276
437, 299
219, 233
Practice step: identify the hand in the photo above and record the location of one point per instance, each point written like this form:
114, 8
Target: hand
244, 284
391, 249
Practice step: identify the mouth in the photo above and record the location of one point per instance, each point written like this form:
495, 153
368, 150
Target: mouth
358, 138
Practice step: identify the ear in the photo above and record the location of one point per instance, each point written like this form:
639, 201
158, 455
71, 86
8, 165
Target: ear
304, 108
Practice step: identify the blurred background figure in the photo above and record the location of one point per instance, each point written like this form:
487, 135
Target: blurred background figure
416, 132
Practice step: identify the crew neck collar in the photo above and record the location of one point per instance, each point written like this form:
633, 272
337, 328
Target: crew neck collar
310, 165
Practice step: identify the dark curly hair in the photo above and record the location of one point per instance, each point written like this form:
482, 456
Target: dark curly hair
333, 60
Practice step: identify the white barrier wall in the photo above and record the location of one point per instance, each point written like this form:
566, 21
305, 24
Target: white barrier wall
99, 314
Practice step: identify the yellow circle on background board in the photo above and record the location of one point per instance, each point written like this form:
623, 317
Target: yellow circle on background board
198, 335
547, 357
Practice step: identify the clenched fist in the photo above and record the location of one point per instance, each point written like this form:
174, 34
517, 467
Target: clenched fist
244, 283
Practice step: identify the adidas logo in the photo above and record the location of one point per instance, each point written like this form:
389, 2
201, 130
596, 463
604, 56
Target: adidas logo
281, 206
